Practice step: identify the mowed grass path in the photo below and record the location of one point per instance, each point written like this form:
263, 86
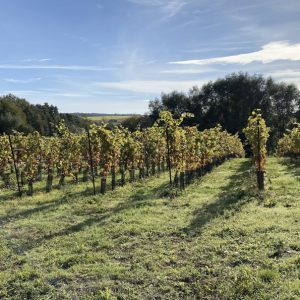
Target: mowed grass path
219, 239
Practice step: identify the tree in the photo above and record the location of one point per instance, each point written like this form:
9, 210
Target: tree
17, 113
133, 122
229, 101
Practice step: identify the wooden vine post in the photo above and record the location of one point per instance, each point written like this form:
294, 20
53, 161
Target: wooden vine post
259, 174
13, 156
169, 161
88, 132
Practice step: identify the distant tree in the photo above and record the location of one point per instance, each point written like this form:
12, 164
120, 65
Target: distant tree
133, 122
8, 122
17, 113
11, 116
85, 123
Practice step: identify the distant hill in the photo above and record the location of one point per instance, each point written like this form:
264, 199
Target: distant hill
98, 115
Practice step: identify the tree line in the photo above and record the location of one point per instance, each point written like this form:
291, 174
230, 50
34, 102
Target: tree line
18, 114
229, 101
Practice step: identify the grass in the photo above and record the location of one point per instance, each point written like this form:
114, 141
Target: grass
107, 118
218, 239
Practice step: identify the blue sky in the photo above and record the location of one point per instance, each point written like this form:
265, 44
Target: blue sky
113, 56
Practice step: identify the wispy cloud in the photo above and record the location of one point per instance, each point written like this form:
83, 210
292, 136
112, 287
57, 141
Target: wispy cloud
22, 81
269, 53
152, 87
74, 95
35, 59
247, 8
167, 7
45, 93
134, 59
99, 6
188, 71
294, 80
51, 90
210, 49
24, 93
173, 7
78, 68
148, 62
285, 73
76, 37
288, 76
230, 43
147, 2
104, 93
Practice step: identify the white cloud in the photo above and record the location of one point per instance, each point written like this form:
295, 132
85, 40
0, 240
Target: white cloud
22, 81
79, 68
269, 53
295, 80
153, 87
35, 59
288, 76
285, 73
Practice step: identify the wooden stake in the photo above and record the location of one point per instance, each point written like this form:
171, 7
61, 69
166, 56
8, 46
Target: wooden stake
258, 150
13, 156
91, 161
169, 162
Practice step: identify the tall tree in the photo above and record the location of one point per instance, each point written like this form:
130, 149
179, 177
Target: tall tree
229, 101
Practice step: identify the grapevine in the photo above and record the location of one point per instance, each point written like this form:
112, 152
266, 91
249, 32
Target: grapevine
107, 153
257, 134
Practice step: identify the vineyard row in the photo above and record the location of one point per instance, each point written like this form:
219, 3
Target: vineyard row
184, 152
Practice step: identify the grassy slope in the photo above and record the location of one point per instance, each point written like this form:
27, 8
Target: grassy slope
219, 239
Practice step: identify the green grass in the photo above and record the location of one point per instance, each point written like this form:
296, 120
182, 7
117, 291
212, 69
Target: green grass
219, 239
107, 118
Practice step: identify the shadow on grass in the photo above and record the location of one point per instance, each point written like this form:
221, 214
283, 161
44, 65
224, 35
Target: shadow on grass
11, 193
292, 165
100, 217
223, 202
152, 194
46, 205
146, 195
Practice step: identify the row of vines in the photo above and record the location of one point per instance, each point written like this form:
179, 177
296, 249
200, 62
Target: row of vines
101, 153
289, 145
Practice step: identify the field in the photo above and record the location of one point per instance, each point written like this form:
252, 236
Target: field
107, 118
218, 239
